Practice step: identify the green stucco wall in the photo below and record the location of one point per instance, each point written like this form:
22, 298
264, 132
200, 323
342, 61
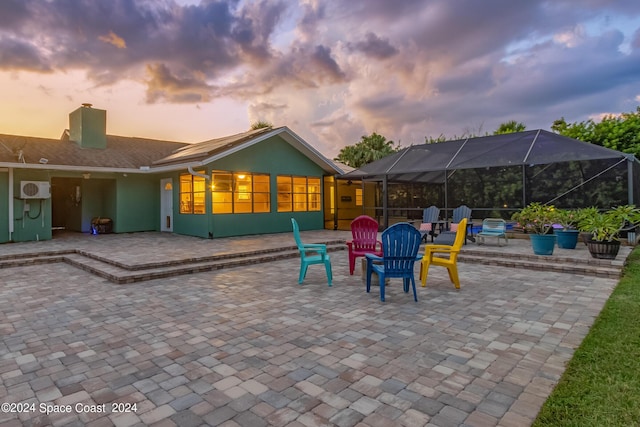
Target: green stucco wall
132, 200
137, 203
88, 127
34, 224
4, 207
273, 156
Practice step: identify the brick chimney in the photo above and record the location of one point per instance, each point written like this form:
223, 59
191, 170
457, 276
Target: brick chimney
88, 127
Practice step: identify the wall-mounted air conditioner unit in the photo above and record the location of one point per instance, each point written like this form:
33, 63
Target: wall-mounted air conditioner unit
34, 190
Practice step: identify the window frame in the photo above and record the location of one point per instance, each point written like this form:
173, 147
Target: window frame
242, 198
298, 197
189, 194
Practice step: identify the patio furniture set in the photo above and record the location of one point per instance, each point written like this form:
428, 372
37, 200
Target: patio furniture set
395, 254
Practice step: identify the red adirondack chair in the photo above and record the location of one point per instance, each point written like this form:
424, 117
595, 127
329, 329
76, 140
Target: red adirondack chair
364, 230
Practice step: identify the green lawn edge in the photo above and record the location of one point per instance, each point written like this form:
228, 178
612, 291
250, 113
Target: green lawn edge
601, 385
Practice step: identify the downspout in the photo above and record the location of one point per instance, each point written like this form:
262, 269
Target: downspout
194, 173
11, 217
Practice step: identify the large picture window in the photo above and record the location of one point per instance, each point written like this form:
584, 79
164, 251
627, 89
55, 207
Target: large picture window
298, 193
192, 194
240, 192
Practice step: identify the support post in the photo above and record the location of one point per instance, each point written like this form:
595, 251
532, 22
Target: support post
524, 185
385, 203
630, 181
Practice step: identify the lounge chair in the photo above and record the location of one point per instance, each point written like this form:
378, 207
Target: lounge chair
493, 227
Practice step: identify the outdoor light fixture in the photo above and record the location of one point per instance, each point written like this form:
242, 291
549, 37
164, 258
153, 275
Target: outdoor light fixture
86, 175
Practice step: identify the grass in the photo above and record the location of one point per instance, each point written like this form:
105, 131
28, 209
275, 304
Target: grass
601, 386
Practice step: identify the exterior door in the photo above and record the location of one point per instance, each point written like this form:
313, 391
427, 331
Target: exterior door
166, 204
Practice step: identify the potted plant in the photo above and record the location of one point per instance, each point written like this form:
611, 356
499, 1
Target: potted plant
581, 215
605, 229
567, 234
538, 219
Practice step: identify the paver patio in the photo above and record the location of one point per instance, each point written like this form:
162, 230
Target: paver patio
248, 346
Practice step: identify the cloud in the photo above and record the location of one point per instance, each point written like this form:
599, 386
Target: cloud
327, 66
374, 47
336, 70
13, 14
21, 55
113, 39
163, 85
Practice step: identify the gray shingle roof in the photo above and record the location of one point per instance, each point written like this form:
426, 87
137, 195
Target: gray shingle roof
206, 149
132, 153
121, 152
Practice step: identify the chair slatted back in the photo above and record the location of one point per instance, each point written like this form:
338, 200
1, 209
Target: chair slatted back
461, 212
430, 214
296, 234
460, 235
364, 232
400, 245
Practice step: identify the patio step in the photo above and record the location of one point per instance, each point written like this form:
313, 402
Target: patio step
588, 267
121, 273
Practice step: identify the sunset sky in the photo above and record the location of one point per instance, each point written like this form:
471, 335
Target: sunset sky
331, 70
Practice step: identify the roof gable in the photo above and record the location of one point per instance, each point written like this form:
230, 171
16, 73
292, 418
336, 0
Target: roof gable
208, 151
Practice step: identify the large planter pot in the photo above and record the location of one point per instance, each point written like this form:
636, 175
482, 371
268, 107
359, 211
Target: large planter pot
567, 239
603, 250
543, 244
585, 236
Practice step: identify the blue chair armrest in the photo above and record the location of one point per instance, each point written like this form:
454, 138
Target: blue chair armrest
373, 257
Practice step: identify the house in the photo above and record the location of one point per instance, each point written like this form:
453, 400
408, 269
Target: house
249, 183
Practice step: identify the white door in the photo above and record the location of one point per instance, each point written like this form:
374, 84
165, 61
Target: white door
166, 205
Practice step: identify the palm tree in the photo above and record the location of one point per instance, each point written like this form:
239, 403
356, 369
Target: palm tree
369, 149
260, 124
510, 127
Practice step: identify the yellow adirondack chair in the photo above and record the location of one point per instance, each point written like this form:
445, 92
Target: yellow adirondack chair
449, 262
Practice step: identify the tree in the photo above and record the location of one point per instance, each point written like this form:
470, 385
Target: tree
367, 150
619, 132
260, 124
510, 127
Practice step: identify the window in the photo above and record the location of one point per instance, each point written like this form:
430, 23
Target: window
240, 192
358, 196
192, 194
298, 194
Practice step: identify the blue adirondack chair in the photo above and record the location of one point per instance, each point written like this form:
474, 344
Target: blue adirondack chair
430, 217
459, 213
311, 253
400, 245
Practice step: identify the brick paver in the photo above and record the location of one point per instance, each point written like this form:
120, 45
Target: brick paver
249, 346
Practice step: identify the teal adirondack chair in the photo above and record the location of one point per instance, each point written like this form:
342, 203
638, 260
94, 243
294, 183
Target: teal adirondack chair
311, 253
